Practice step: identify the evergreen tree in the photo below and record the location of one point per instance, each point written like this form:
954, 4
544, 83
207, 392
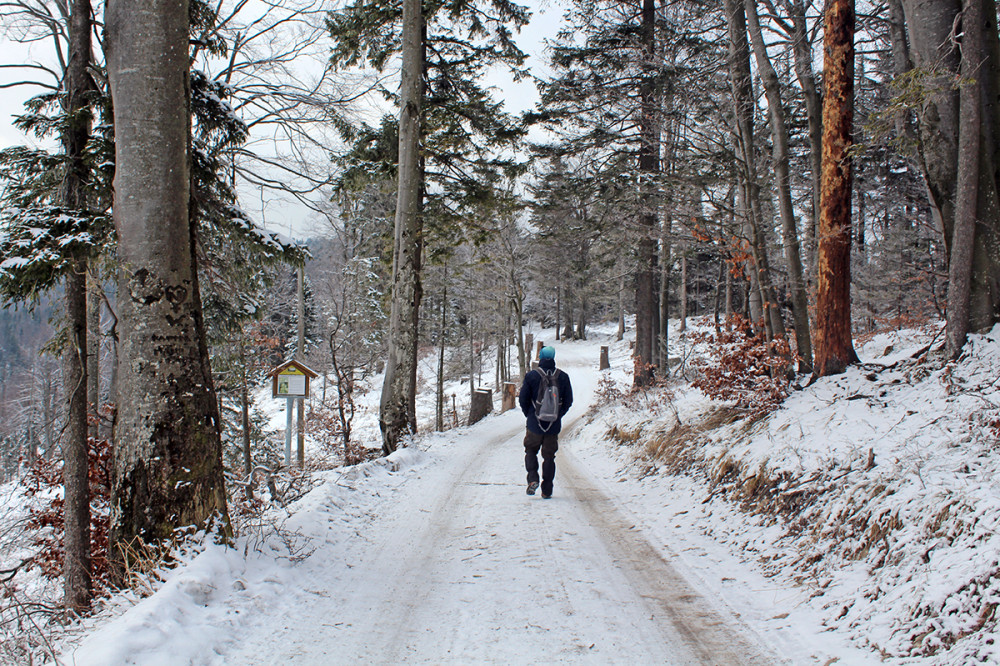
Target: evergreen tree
450, 154
619, 72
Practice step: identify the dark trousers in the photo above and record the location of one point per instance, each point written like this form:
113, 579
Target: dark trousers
548, 445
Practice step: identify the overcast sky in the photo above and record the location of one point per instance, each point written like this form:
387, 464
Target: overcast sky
285, 216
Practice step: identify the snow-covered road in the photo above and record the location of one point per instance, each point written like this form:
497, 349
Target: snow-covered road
437, 555
459, 565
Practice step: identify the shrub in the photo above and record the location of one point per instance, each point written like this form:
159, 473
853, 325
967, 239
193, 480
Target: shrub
47, 518
743, 368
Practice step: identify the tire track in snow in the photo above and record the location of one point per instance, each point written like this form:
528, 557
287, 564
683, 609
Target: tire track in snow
711, 636
460, 566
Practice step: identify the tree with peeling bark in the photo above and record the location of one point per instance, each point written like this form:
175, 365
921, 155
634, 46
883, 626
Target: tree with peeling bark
168, 455
834, 345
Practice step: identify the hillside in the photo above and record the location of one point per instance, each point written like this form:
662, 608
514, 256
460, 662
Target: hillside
873, 493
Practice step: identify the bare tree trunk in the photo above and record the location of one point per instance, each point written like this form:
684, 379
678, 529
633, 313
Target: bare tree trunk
790, 234
901, 63
558, 309
767, 315
439, 389
930, 29
168, 451
682, 293
472, 359
522, 353
649, 165
76, 565
662, 342
802, 46
94, 303
300, 403
834, 347
398, 417
621, 308
754, 305
245, 419
967, 194
729, 297
76, 463
48, 414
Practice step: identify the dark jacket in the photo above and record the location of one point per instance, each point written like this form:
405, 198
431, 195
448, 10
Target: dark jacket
529, 394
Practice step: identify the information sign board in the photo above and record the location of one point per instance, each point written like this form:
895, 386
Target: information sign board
291, 380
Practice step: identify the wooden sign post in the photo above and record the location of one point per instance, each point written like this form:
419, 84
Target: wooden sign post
290, 380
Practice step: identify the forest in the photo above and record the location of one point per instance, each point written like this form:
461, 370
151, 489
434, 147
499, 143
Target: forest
789, 175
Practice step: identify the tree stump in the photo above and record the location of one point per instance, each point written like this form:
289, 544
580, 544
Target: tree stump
482, 404
538, 351
605, 362
509, 400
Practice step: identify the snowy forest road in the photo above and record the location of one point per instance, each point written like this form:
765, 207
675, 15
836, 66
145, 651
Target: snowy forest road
460, 566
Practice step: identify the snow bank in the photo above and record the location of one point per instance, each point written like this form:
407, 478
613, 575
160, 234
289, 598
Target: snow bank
875, 490
214, 590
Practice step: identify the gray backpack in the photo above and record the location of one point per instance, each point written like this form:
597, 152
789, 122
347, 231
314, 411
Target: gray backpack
547, 405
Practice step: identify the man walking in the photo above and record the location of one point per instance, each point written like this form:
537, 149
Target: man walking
546, 395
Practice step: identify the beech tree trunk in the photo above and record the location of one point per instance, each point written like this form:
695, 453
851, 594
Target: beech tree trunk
789, 231
967, 194
901, 63
76, 464
931, 25
834, 346
397, 416
168, 453
767, 313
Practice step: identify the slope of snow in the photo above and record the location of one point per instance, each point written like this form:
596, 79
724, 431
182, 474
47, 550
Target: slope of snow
875, 490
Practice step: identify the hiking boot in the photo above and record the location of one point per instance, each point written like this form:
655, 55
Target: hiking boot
532, 487
546, 495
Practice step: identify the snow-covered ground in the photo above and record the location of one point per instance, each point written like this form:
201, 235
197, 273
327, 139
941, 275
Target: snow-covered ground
858, 524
